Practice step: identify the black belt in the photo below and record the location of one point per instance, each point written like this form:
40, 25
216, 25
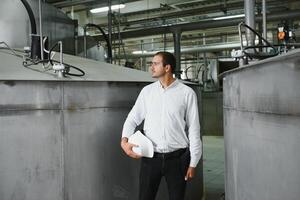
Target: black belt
172, 154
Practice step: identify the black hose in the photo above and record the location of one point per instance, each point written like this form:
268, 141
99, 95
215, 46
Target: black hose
82, 73
109, 50
31, 16
68, 67
50, 51
258, 55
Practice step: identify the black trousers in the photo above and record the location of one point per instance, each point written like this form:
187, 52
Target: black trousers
173, 166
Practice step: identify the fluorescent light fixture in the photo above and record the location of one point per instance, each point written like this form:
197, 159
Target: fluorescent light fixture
105, 9
229, 17
139, 52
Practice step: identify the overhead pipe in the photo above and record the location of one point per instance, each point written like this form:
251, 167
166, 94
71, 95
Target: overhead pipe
204, 25
62, 4
109, 49
183, 13
199, 49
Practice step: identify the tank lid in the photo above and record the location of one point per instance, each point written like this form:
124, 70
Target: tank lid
11, 68
280, 58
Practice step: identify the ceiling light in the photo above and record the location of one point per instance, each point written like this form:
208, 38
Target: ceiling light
229, 17
139, 52
105, 9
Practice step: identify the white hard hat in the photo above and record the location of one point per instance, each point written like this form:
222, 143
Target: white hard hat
145, 146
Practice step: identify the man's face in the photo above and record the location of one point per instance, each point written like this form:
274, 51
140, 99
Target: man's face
157, 67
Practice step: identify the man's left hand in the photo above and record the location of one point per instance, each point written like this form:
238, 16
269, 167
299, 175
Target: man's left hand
190, 173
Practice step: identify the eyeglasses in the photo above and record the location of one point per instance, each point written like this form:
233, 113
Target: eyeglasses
155, 63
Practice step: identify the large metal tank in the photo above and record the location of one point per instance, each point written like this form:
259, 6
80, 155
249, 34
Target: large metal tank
15, 24
60, 138
262, 130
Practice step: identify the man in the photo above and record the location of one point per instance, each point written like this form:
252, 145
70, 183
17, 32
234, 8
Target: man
171, 121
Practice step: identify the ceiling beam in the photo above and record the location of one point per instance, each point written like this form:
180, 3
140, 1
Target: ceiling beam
295, 14
63, 4
69, 3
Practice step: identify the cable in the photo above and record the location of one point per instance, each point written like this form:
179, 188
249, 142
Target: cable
202, 65
68, 67
50, 51
50, 59
256, 54
119, 35
109, 50
44, 43
9, 48
76, 68
186, 70
26, 65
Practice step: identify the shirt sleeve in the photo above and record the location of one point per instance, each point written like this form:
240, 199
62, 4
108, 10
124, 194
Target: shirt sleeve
193, 124
135, 116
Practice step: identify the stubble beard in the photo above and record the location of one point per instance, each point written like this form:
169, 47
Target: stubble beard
157, 75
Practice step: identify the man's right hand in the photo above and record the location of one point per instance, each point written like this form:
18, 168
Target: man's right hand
127, 148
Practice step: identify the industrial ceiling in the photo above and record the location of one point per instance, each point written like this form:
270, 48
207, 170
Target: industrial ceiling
147, 25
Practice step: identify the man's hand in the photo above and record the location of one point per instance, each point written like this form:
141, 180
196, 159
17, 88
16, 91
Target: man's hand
190, 173
127, 148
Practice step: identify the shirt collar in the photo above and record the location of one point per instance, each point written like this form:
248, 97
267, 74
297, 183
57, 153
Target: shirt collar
175, 82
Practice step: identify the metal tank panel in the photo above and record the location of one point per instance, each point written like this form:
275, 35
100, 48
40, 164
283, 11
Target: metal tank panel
60, 137
31, 141
261, 130
94, 115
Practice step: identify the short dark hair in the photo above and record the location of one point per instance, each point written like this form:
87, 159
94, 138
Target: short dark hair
168, 59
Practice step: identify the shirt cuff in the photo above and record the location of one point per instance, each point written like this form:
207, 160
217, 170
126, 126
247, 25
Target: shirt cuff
193, 163
127, 132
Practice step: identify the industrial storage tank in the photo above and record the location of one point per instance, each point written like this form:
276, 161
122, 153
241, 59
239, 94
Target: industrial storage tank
262, 129
60, 137
16, 27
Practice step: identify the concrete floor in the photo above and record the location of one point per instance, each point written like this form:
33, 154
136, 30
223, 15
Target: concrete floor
213, 162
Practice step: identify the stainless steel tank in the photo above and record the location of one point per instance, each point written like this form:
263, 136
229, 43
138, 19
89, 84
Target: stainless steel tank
15, 25
60, 138
262, 130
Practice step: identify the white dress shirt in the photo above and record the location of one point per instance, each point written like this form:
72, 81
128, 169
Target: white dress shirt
171, 118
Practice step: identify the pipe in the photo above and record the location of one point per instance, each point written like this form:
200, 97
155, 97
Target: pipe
183, 13
84, 42
109, 26
35, 49
200, 49
264, 19
31, 16
60, 52
109, 49
41, 31
205, 61
176, 37
205, 24
62, 4
249, 6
